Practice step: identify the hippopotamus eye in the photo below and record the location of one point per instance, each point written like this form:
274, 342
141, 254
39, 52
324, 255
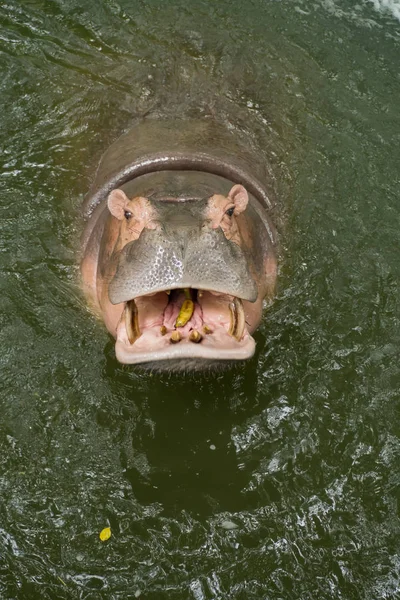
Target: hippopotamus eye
127, 214
230, 211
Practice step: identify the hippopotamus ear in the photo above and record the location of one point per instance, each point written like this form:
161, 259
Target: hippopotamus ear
117, 203
239, 196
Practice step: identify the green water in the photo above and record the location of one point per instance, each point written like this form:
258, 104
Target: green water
280, 479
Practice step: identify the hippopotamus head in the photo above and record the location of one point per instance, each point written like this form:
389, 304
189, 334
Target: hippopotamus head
178, 266
172, 243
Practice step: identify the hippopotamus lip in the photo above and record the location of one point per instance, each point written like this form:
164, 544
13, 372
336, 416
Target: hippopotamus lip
187, 350
215, 332
116, 297
181, 258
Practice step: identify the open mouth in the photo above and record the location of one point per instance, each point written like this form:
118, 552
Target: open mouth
183, 324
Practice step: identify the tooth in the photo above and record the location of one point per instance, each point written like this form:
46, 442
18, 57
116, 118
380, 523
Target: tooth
207, 329
195, 336
163, 330
236, 328
132, 321
175, 337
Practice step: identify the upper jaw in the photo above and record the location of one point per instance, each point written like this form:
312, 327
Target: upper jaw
157, 261
216, 331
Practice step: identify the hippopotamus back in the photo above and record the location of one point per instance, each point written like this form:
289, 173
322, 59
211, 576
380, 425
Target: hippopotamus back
154, 144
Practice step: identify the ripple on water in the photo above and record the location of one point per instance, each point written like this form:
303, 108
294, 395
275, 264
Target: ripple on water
278, 479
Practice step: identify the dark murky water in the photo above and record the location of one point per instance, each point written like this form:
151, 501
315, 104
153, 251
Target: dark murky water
279, 479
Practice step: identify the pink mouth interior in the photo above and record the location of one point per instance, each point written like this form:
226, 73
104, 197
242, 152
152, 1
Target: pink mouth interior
157, 316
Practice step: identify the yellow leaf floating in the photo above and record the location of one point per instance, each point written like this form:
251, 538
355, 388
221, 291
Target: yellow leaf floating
187, 310
105, 534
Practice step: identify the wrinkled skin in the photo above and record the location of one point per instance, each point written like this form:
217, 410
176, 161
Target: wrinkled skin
145, 253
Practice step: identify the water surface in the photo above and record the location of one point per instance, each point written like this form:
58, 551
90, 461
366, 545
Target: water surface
277, 480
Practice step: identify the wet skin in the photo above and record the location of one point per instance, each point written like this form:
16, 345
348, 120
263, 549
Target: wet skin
179, 280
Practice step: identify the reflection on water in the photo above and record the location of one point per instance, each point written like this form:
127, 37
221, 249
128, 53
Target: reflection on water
280, 478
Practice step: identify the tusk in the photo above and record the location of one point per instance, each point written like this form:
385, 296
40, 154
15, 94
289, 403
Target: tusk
236, 328
132, 321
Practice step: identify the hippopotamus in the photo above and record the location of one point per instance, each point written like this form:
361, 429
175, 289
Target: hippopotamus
179, 250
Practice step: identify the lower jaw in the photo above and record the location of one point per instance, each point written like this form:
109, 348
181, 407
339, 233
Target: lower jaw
207, 351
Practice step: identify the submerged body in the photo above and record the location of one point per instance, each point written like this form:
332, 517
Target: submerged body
178, 251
